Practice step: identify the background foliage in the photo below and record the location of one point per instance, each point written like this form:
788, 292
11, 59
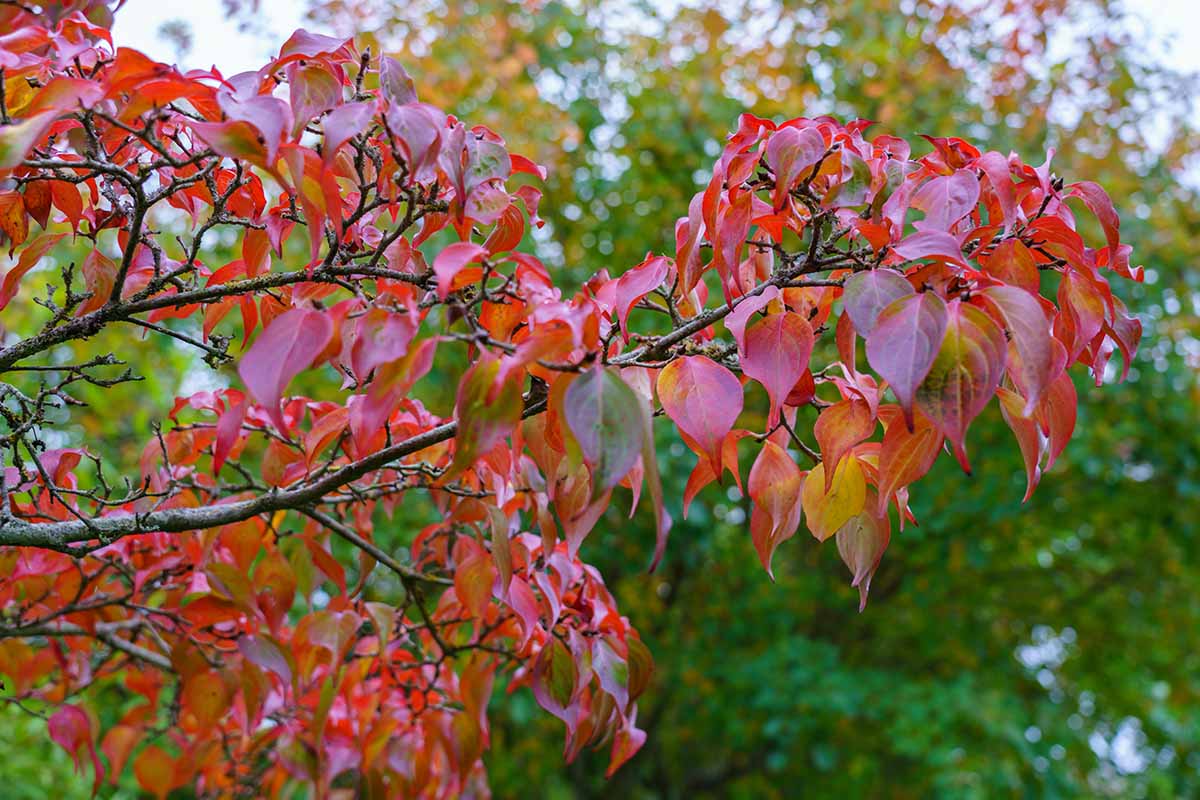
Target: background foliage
1044, 650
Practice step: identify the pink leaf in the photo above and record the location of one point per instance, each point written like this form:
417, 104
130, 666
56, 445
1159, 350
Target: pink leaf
865, 294
1100, 204
451, 261
964, 375
946, 199
1030, 339
777, 352
342, 124
930, 244
995, 167
737, 319
790, 151
288, 346
635, 284
71, 728
703, 399
380, 336
904, 343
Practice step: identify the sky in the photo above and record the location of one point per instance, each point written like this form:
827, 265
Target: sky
139, 22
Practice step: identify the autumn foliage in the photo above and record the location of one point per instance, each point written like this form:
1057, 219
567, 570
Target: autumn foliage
376, 236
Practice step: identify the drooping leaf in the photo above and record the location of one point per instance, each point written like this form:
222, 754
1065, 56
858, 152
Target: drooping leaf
828, 510
861, 543
71, 728
555, 675
288, 346
867, 293
1029, 341
774, 486
964, 375
1025, 428
906, 453
778, 349
31, 253
704, 399
904, 343
487, 408
155, 771
838, 429
601, 411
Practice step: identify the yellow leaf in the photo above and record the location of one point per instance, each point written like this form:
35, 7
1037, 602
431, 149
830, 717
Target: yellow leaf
828, 511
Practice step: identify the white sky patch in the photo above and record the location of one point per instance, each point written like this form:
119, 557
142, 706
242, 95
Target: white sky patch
217, 38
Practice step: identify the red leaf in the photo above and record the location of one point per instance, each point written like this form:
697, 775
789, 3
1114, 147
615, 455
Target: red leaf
1083, 308
964, 375
905, 455
473, 581
1056, 414
288, 346
229, 429
449, 264
524, 603
256, 252
904, 343
635, 284
14, 222
1100, 204
1030, 341
71, 728
509, 230
99, 275
31, 254
790, 151
1012, 263
523, 164
995, 167
1028, 439
774, 486
704, 399
777, 352
839, 428
37, 201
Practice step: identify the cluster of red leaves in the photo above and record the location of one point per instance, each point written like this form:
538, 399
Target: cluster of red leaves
192, 586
